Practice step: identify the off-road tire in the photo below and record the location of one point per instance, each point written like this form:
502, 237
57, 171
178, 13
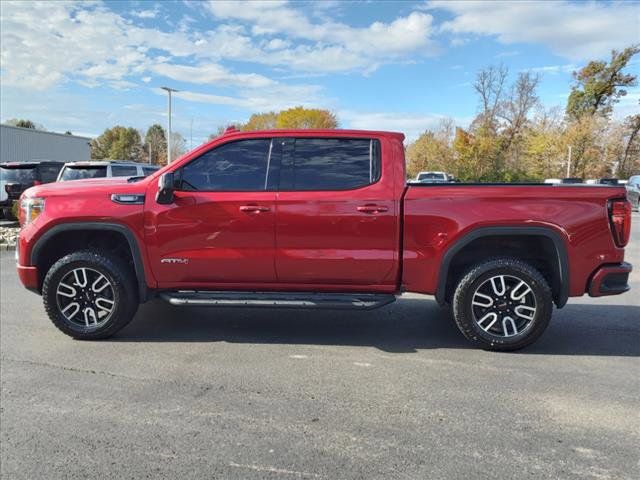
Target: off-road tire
479, 274
123, 285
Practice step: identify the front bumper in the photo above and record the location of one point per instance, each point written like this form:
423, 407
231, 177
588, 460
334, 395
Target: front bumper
28, 276
610, 280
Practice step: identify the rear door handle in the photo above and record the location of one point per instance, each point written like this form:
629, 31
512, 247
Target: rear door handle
254, 208
372, 208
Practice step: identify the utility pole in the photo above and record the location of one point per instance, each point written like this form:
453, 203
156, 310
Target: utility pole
169, 91
569, 163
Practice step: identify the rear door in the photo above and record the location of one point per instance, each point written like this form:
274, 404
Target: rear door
220, 230
337, 221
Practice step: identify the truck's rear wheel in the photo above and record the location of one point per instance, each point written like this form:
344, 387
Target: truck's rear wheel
89, 295
502, 304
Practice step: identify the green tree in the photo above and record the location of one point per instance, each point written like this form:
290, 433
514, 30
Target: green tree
15, 122
599, 85
155, 145
117, 143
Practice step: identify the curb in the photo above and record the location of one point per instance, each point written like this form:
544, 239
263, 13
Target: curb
5, 247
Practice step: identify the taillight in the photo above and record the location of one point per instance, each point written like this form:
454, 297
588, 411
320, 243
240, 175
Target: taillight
620, 219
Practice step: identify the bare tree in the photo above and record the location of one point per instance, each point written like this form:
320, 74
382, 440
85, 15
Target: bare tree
490, 84
516, 108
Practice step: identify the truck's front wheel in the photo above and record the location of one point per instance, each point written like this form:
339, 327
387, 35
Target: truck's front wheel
502, 304
89, 295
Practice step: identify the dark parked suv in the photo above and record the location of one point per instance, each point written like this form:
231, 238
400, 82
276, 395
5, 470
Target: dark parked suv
16, 177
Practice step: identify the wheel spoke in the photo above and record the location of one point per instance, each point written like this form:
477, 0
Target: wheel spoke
512, 324
491, 315
70, 291
80, 275
523, 311
499, 285
488, 301
76, 309
100, 284
525, 291
90, 317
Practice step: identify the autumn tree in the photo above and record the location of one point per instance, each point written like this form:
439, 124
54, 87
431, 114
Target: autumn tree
155, 145
261, 121
599, 85
630, 157
178, 146
297, 117
117, 143
300, 117
432, 150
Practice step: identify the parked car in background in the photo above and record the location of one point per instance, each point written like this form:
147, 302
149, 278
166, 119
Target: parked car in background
571, 180
99, 169
608, 181
633, 192
552, 181
432, 177
16, 177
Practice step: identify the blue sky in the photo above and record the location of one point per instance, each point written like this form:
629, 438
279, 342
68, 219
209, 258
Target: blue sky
384, 65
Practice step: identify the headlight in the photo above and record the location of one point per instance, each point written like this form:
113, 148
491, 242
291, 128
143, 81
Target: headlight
30, 209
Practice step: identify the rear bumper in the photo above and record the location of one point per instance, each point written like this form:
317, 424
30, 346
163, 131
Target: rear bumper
610, 280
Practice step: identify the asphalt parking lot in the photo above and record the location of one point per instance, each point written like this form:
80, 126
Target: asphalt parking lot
286, 394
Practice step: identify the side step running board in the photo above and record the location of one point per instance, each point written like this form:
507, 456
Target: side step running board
362, 301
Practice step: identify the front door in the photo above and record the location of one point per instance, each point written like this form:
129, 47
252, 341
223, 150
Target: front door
220, 229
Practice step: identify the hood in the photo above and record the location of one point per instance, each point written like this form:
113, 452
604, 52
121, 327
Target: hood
88, 187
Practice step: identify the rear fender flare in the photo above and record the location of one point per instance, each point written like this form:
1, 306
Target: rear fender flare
562, 257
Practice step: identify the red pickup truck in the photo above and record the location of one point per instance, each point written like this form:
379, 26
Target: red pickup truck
322, 219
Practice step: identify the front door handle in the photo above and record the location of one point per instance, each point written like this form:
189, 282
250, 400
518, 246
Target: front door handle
254, 208
372, 208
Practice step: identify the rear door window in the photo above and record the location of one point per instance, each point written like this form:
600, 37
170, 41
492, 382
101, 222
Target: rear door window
330, 164
124, 170
82, 172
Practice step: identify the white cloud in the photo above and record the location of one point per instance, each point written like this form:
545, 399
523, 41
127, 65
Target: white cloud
276, 97
145, 13
327, 45
555, 69
577, 31
411, 124
210, 74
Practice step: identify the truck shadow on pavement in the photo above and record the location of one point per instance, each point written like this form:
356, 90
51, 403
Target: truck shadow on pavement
406, 326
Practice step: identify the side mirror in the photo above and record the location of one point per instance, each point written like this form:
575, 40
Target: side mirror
165, 189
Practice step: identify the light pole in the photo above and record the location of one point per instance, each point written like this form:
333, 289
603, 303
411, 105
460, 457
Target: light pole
169, 91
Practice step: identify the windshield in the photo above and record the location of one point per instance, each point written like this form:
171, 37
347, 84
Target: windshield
431, 176
79, 173
22, 175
